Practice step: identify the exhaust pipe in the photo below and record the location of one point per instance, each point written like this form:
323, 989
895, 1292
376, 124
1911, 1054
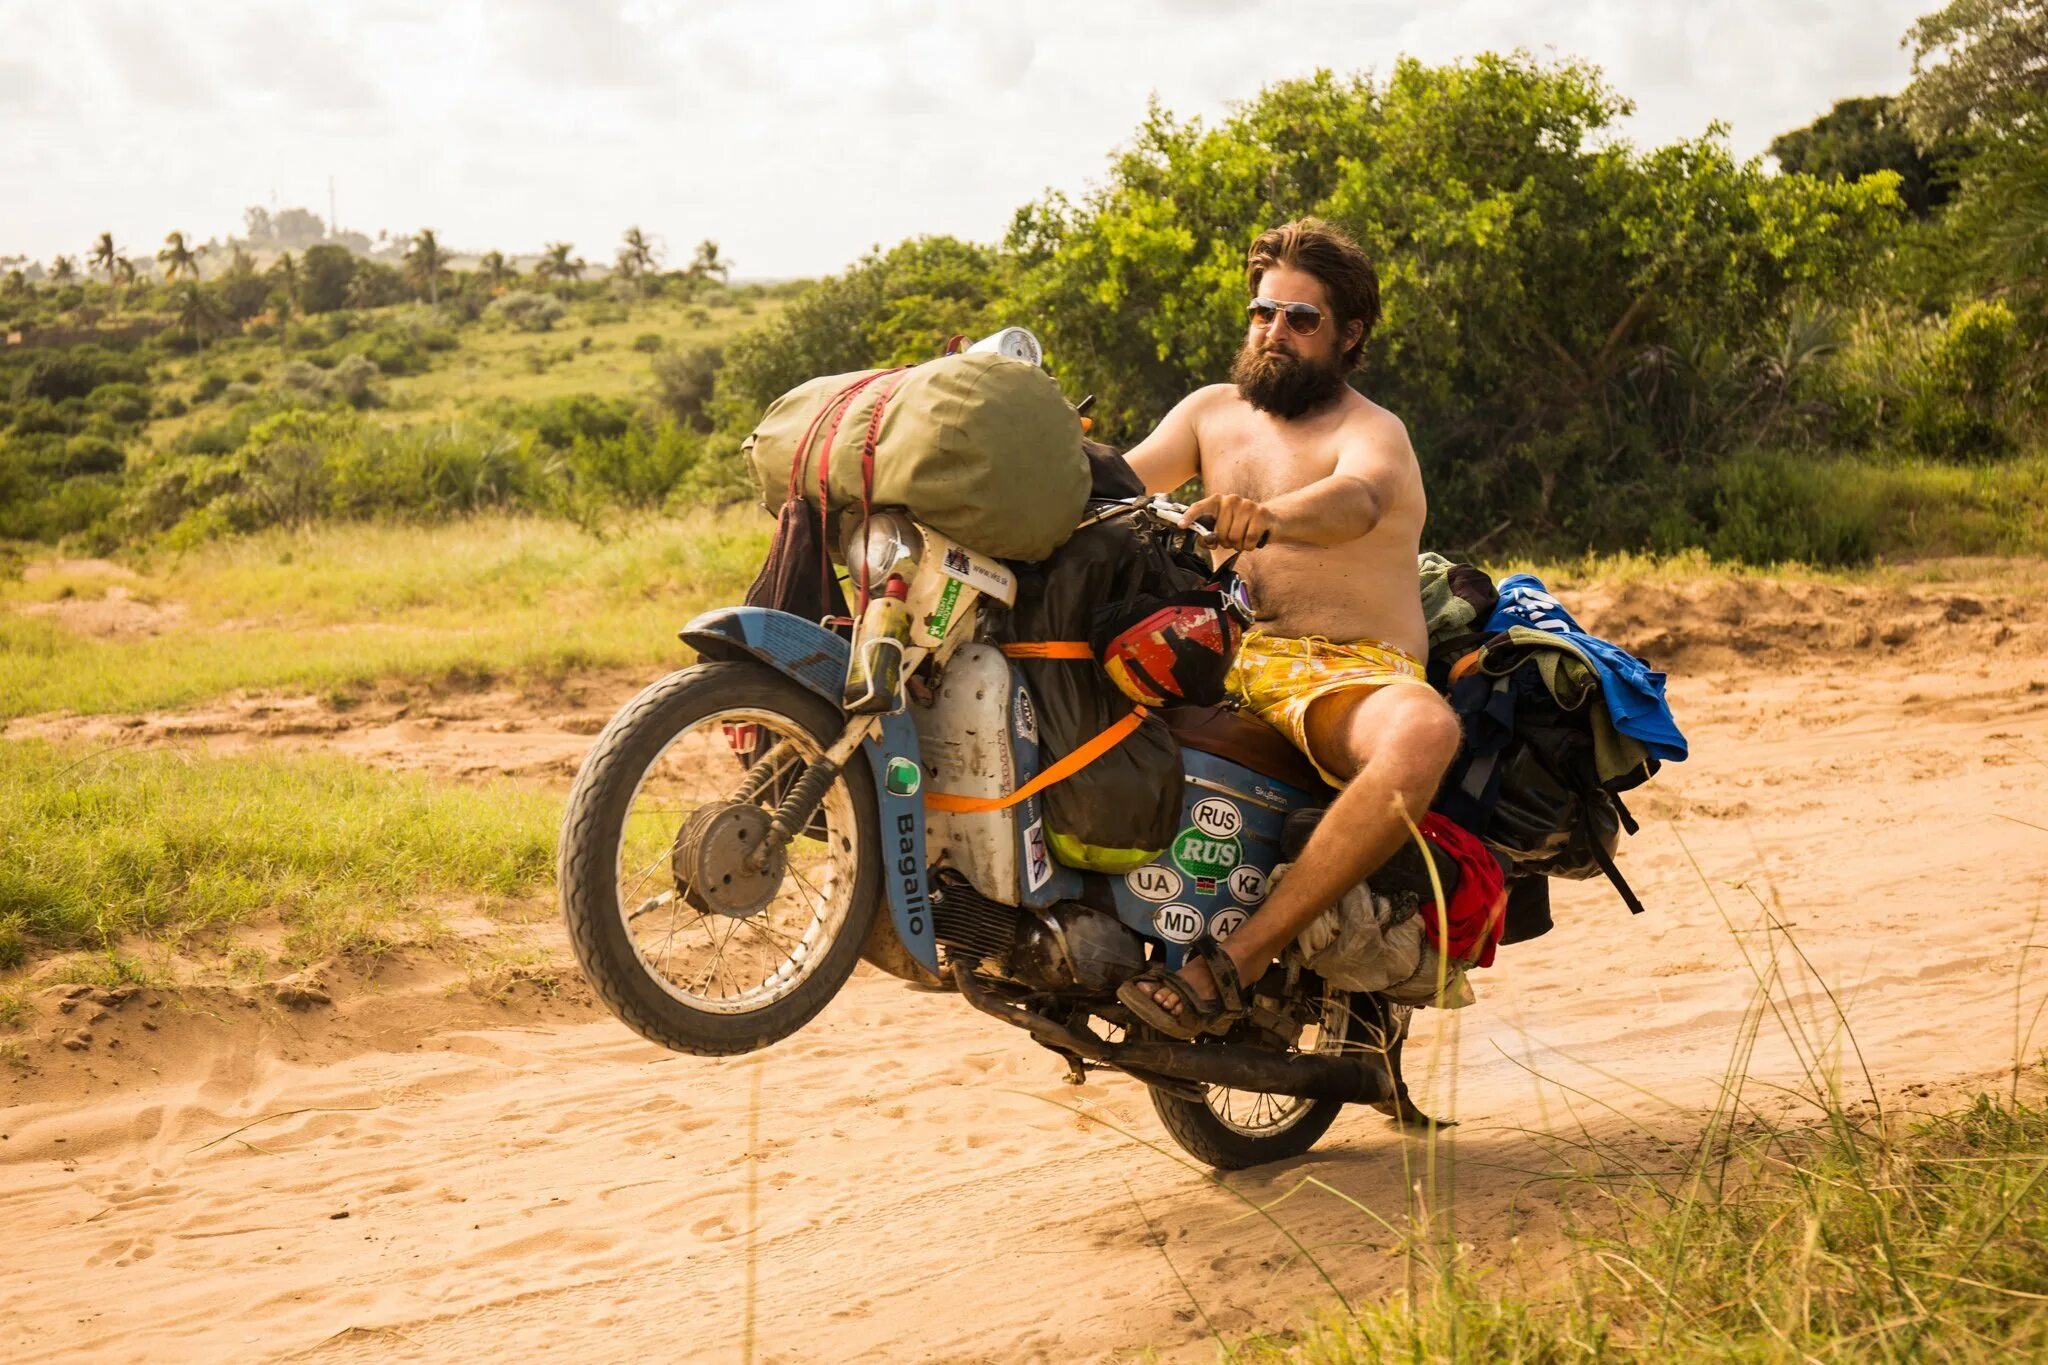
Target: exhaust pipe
1356, 1079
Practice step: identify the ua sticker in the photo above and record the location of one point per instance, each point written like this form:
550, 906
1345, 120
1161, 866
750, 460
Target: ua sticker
1026, 720
1180, 923
1154, 883
1037, 862
1198, 855
1217, 818
1224, 923
1248, 884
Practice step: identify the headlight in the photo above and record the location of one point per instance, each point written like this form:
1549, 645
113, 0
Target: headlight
1015, 342
886, 543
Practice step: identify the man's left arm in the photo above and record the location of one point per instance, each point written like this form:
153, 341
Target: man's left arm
1343, 505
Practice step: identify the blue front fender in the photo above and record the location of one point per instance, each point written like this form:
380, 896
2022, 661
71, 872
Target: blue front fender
817, 658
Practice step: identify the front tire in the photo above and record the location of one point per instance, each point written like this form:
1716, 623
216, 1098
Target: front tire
699, 733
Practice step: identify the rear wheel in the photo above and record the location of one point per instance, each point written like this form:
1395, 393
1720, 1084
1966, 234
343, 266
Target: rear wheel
685, 931
1234, 1129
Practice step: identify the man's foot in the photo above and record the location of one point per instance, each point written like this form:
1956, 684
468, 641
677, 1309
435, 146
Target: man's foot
1202, 997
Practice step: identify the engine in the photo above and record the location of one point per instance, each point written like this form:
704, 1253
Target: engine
1068, 949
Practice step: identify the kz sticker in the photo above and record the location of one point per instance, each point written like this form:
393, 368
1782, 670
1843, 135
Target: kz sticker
1248, 884
1217, 818
1154, 883
1179, 923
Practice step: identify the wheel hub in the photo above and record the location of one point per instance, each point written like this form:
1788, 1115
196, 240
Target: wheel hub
715, 860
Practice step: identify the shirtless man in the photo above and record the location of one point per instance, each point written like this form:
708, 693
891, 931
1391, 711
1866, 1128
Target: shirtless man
1319, 487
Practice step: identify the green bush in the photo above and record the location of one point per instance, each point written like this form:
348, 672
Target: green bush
93, 455
648, 342
1769, 507
642, 468
124, 402
527, 311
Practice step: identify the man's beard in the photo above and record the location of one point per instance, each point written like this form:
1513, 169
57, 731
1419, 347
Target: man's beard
1285, 385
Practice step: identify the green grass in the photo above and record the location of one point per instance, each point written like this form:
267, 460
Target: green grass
107, 846
1842, 1239
341, 607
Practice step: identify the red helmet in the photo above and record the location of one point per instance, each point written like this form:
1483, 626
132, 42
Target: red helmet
1170, 651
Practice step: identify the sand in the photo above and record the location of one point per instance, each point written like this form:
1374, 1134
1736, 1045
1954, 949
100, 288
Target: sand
422, 1170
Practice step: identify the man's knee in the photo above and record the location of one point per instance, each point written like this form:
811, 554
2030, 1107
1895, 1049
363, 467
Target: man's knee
1421, 733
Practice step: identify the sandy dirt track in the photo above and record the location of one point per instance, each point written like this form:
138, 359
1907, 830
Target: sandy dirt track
449, 1178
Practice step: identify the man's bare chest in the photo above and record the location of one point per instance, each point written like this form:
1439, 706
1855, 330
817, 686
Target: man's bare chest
1262, 465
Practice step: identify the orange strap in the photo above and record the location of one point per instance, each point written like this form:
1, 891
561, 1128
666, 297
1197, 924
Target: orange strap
1058, 772
1049, 649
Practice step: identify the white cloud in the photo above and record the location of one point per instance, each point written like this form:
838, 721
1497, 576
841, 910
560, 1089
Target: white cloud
797, 132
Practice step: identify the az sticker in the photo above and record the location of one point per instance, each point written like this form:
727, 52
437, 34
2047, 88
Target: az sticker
1178, 923
1224, 923
1217, 818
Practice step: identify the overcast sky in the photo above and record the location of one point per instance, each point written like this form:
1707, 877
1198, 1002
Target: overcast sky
795, 132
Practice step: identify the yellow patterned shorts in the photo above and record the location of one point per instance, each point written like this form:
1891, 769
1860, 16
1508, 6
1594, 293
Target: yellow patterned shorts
1278, 678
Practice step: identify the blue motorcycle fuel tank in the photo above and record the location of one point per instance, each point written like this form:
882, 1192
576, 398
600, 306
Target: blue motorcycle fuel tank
1214, 873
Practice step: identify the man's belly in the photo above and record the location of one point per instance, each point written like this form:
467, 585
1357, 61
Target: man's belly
1298, 591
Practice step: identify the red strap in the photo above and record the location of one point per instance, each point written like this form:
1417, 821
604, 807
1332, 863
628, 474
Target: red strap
1058, 772
867, 475
837, 404
1050, 649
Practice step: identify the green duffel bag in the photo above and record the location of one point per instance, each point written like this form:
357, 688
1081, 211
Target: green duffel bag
979, 447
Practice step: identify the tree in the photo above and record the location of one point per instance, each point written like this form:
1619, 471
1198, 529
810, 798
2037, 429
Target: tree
243, 292
707, 264
124, 271
426, 263
284, 276
637, 257
282, 300
495, 270
178, 260
1977, 62
197, 316
557, 264
1860, 137
325, 271
63, 270
104, 255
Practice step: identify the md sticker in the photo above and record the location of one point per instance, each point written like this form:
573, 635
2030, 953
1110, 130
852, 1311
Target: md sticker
1217, 818
1199, 855
1179, 923
1248, 884
1224, 923
1154, 883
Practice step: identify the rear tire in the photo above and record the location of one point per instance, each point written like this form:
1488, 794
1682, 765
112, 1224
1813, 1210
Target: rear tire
1273, 1127
593, 829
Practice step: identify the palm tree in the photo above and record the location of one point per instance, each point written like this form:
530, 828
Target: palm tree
281, 312
123, 271
104, 256
63, 270
198, 316
495, 269
558, 265
637, 256
16, 284
426, 263
178, 259
707, 264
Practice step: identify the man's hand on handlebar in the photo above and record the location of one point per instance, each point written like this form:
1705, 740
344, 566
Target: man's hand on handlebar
1231, 522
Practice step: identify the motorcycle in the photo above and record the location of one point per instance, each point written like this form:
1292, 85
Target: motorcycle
738, 839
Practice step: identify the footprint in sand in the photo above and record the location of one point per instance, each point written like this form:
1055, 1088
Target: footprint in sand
717, 1228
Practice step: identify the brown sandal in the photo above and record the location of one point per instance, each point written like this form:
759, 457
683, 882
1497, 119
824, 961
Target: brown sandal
1191, 1016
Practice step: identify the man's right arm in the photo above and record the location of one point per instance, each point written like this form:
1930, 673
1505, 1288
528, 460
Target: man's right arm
1172, 454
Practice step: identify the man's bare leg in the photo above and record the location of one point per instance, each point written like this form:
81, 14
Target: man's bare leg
1393, 744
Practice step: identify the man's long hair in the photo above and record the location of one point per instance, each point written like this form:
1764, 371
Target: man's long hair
1328, 253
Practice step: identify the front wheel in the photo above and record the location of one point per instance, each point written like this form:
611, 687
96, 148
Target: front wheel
1234, 1129
692, 939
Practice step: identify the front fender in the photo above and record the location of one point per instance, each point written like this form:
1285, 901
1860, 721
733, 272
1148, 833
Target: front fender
816, 657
